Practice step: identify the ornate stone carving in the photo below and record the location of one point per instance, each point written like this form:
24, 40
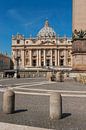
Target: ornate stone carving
79, 34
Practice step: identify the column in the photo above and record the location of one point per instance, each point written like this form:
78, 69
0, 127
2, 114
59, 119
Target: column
14, 60
30, 58
23, 58
65, 58
51, 58
40, 58
56, 57
71, 60
37, 58
44, 58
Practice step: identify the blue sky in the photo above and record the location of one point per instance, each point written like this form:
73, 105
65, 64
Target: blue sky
27, 17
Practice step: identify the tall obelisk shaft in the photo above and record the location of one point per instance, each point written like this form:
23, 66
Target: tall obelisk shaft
79, 15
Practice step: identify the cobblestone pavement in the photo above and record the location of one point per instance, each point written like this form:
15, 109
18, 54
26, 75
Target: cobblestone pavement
33, 110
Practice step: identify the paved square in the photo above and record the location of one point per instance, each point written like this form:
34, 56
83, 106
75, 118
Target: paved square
32, 103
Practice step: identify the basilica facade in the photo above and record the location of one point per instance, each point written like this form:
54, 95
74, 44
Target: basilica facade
45, 50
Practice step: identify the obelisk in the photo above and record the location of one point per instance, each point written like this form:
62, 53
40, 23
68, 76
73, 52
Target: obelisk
79, 15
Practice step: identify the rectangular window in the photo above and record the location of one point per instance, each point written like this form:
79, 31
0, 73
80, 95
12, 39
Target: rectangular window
18, 41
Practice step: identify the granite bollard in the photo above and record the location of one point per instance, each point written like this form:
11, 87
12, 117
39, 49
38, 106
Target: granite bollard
55, 106
59, 77
49, 76
8, 102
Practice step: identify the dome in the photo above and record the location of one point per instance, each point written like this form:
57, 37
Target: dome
46, 31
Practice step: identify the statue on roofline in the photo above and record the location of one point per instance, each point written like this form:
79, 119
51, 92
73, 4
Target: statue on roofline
79, 34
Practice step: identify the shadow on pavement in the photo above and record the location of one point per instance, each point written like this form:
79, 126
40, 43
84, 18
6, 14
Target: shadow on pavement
64, 115
20, 110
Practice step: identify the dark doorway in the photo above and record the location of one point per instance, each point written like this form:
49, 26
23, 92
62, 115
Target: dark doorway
47, 62
61, 62
42, 63
34, 63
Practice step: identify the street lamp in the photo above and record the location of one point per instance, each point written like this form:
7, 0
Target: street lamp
17, 58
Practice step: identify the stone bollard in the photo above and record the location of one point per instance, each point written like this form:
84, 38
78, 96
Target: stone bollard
49, 76
78, 78
8, 102
55, 106
59, 77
